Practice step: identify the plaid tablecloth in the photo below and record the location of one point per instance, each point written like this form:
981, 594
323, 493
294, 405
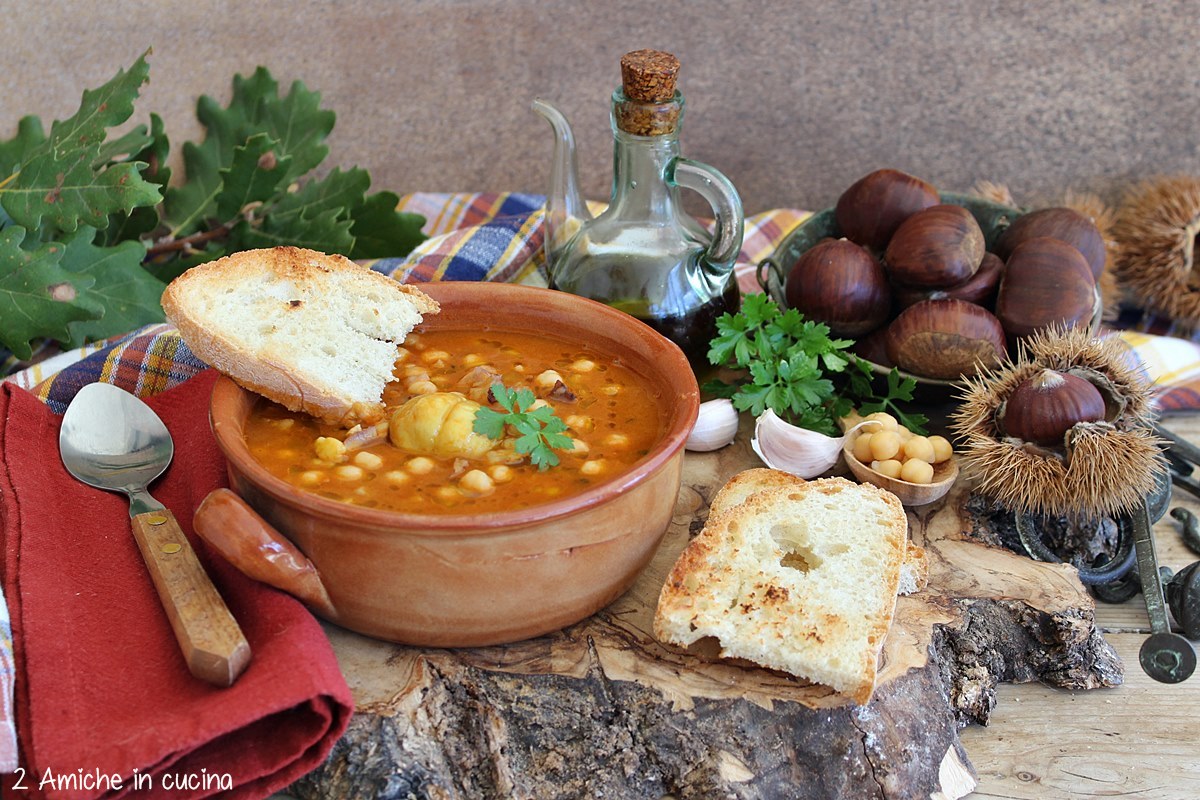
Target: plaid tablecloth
483, 236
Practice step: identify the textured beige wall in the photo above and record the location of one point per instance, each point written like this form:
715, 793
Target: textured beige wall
793, 99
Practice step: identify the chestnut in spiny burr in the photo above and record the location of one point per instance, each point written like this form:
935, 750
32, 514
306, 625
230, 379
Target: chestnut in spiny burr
1042, 408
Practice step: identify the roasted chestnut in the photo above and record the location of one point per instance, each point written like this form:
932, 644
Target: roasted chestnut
945, 339
1042, 408
980, 288
938, 247
1064, 224
1046, 282
839, 283
871, 210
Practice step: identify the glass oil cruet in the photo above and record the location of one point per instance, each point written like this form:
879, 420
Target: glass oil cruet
644, 254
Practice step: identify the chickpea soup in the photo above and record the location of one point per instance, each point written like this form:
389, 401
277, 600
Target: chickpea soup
428, 456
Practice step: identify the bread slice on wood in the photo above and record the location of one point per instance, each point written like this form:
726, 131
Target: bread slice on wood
914, 571
800, 576
314, 332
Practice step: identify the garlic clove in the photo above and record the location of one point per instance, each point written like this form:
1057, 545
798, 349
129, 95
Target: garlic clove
716, 426
800, 451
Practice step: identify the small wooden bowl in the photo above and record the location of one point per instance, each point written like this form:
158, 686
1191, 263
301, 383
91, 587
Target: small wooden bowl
910, 494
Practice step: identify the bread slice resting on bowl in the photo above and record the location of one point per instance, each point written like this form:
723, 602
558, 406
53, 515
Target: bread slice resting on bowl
313, 332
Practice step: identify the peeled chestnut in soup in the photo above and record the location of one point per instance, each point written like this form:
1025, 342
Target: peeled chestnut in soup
839, 283
1046, 282
872, 208
1066, 225
945, 339
1044, 407
936, 248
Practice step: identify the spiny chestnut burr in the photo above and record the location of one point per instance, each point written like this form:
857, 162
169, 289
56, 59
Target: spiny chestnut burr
872, 208
1066, 225
1046, 282
1042, 408
945, 339
839, 283
938, 247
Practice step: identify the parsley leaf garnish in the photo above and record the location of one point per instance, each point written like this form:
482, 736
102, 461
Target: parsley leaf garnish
541, 431
792, 366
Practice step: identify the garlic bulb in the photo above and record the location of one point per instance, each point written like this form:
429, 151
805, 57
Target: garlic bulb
801, 452
715, 427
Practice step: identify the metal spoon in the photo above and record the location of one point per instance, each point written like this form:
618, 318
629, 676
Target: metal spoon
112, 440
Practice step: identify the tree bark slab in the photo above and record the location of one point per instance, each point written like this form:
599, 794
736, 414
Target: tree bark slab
602, 709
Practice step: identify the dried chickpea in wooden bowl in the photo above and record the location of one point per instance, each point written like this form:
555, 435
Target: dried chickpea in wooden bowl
917, 469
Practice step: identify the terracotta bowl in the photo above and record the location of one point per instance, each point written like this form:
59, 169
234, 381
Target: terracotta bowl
471, 580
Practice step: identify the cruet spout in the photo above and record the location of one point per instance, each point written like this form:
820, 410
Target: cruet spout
566, 209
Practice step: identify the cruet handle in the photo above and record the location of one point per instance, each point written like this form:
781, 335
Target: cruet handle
726, 206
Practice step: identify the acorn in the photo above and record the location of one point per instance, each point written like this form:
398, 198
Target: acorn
1046, 282
1045, 406
841, 284
1099, 467
872, 208
938, 247
1058, 222
945, 339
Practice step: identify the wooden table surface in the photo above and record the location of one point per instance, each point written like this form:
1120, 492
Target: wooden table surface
1139, 740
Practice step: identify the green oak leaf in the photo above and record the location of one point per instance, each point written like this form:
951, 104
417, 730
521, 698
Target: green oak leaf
380, 231
30, 135
131, 296
60, 180
327, 232
188, 206
38, 297
252, 176
143, 220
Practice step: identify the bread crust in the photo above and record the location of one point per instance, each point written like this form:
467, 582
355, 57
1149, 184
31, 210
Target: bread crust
268, 370
778, 617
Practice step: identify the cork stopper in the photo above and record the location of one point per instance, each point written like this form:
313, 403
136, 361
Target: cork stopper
649, 75
648, 106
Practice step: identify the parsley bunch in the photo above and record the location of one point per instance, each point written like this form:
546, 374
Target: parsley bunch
794, 368
541, 431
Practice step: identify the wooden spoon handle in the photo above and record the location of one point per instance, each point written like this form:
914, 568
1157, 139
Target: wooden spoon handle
213, 645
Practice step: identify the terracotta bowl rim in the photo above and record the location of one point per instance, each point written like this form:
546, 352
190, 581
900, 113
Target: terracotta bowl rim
680, 418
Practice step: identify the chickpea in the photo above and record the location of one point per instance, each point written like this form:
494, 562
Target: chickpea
547, 379
285, 424
888, 467
313, 477
536, 404
477, 483
594, 467
422, 387
886, 420
862, 448
580, 422
619, 440
611, 389
368, 461
885, 445
583, 365
348, 472
917, 471
434, 356
578, 448
420, 465
474, 360
396, 477
918, 447
501, 473
448, 494
330, 449
904, 433
941, 449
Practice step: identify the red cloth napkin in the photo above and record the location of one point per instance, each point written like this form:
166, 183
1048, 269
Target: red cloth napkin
102, 689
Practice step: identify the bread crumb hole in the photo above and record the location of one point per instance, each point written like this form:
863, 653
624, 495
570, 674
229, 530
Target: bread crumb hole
792, 538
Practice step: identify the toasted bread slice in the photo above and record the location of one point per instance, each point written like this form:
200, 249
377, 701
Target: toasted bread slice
800, 578
914, 571
314, 332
